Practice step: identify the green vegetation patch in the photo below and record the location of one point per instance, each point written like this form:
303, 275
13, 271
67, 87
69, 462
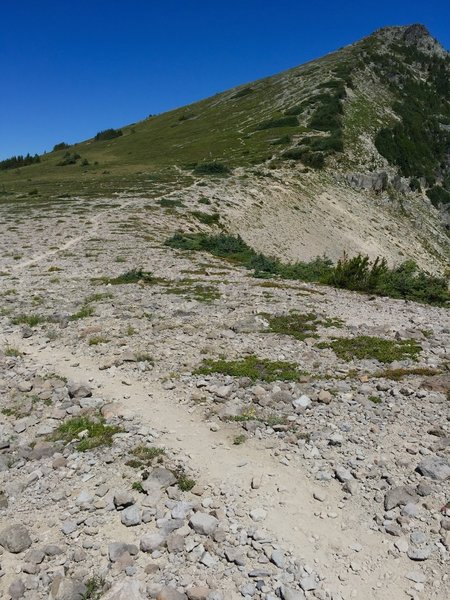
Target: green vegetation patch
206, 218
212, 168
287, 121
295, 324
367, 347
144, 456
96, 433
108, 134
299, 325
170, 203
132, 276
253, 367
398, 374
30, 320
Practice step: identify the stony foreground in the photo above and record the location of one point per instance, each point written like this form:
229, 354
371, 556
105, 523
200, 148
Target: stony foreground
333, 485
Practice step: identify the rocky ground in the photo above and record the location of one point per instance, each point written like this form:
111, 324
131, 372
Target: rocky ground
332, 484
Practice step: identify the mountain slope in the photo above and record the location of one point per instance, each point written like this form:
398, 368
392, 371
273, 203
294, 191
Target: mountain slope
350, 152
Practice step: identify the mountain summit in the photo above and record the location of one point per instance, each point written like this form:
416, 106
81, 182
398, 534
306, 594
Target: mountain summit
349, 152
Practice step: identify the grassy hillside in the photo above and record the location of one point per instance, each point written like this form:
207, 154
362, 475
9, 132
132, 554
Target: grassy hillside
381, 103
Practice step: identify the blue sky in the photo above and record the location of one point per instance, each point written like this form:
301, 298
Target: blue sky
71, 68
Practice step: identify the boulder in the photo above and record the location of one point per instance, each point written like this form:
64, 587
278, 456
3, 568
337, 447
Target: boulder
15, 538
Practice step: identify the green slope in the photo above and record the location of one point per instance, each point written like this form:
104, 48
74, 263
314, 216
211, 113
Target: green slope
314, 115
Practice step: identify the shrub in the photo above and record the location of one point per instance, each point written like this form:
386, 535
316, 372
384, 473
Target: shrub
358, 273
206, 218
289, 121
60, 146
19, 161
133, 276
438, 195
211, 168
316, 160
97, 433
108, 134
367, 347
253, 367
242, 93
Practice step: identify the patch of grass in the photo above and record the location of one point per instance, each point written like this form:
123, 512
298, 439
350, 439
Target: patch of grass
94, 587
295, 324
133, 276
212, 168
398, 374
196, 291
253, 367
375, 399
12, 351
170, 203
367, 347
98, 339
185, 483
143, 357
30, 320
144, 456
98, 297
84, 312
130, 330
287, 121
239, 439
242, 93
96, 432
137, 485
206, 218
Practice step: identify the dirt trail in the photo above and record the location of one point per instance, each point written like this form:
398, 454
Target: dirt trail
286, 493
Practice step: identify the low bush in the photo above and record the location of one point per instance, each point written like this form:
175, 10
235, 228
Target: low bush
108, 134
367, 347
96, 433
288, 121
242, 93
253, 367
60, 146
212, 168
359, 273
438, 195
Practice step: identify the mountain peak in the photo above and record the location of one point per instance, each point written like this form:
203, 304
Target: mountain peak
416, 35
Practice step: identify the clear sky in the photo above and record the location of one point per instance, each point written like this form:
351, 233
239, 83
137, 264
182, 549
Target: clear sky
70, 68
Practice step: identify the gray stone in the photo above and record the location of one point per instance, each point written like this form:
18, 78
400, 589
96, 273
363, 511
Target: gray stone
435, 468
131, 516
15, 538
117, 549
308, 583
277, 557
123, 499
288, 593
130, 589
170, 593
164, 477
302, 402
79, 390
419, 552
399, 496
376, 182
342, 474
17, 589
152, 541
64, 588
68, 527
203, 523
